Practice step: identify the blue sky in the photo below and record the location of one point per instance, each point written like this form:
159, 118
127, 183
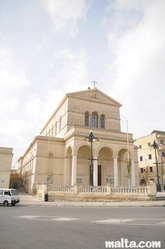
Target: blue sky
49, 48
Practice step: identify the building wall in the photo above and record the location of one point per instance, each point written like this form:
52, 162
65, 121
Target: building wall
6, 155
50, 156
71, 112
56, 125
147, 160
78, 107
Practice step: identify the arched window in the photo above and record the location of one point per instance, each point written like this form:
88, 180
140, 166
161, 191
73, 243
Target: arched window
94, 120
86, 119
142, 182
102, 122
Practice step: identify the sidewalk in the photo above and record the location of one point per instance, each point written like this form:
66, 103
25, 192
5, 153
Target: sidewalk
26, 199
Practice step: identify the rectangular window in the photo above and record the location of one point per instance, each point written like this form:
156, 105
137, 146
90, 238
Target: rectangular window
163, 154
94, 120
140, 146
60, 124
86, 119
149, 156
51, 132
149, 144
102, 122
141, 158
56, 128
151, 169
161, 141
141, 170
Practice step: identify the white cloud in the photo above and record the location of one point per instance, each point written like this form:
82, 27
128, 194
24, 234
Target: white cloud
142, 48
138, 65
9, 104
39, 111
133, 4
39, 47
33, 106
15, 79
74, 72
13, 83
10, 74
13, 130
66, 13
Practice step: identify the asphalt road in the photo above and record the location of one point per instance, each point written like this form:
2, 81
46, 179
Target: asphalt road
42, 227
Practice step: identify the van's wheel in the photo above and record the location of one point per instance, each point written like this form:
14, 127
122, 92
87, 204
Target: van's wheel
13, 204
6, 203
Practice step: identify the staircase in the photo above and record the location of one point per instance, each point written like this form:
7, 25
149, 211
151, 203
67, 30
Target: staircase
160, 196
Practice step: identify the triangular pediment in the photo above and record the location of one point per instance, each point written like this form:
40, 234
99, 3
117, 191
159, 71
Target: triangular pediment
94, 95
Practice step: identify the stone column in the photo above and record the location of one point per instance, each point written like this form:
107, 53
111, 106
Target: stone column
95, 172
74, 169
67, 179
115, 172
133, 173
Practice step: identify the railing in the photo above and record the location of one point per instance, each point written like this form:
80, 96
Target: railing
138, 190
98, 189
92, 189
105, 190
96, 193
40, 187
60, 188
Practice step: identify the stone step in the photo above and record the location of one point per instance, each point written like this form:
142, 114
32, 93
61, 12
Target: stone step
159, 198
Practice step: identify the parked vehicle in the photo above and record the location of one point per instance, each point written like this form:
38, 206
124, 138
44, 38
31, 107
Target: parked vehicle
9, 196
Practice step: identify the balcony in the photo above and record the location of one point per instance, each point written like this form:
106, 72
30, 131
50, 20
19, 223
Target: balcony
162, 147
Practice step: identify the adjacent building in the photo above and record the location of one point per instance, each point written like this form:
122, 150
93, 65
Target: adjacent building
6, 155
62, 153
152, 160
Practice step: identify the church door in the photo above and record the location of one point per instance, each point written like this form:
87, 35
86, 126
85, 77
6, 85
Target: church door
99, 175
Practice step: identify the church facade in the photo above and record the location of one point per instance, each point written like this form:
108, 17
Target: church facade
63, 153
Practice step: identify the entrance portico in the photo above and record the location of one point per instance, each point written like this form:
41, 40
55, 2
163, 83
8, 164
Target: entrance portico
109, 167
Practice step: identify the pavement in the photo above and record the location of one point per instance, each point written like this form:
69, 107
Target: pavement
26, 199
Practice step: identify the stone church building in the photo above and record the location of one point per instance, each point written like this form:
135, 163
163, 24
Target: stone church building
62, 153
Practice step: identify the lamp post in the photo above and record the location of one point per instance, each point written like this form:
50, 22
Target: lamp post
156, 146
91, 139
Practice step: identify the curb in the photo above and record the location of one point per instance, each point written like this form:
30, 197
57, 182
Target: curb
29, 200
86, 204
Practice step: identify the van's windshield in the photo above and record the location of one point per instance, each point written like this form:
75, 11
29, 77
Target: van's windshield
14, 192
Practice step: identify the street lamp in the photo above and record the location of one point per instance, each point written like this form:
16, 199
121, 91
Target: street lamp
156, 146
91, 139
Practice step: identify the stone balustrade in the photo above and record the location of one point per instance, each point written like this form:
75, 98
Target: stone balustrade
60, 188
129, 190
96, 193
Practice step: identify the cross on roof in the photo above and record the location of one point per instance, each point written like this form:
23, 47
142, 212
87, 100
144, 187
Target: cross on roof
94, 82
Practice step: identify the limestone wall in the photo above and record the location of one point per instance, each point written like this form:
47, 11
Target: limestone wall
6, 155
99, 193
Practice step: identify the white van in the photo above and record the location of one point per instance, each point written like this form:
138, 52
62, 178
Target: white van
9, 196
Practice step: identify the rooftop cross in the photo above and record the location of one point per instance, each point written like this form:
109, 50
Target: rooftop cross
94, 82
